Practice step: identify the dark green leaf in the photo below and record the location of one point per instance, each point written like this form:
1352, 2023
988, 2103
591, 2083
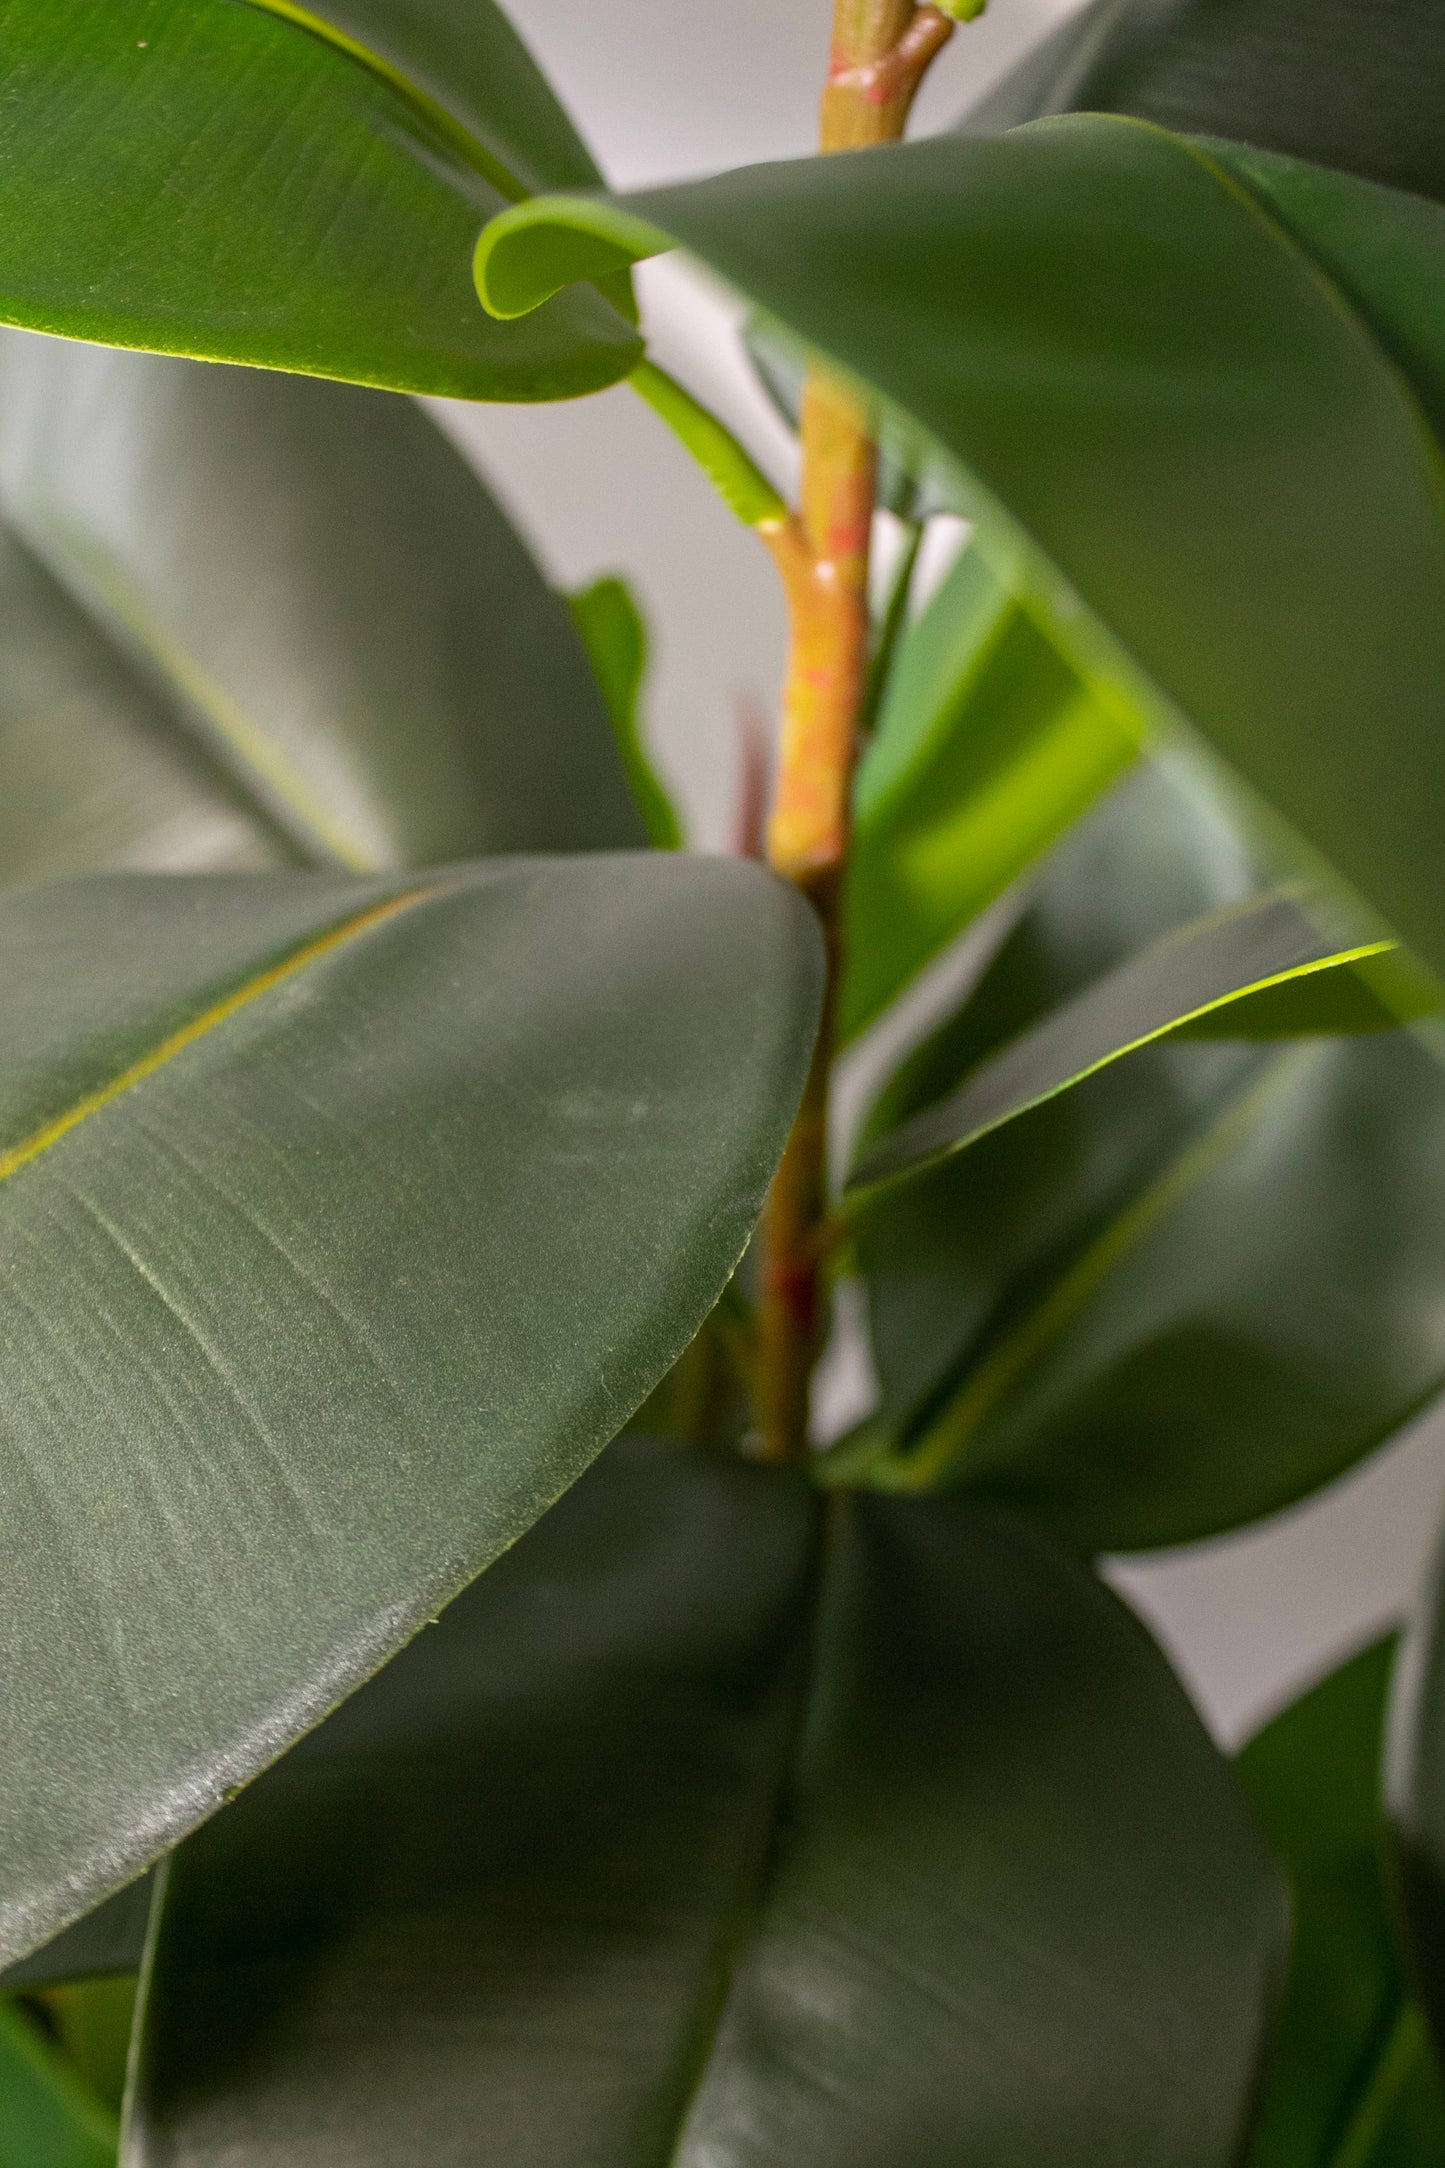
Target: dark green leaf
220, 180
106, 1942
1046, 77
98, 772
615, 637
987, 745
630, 1861
312, 634
1381, 250
340, 1225
1188, 1291
1351, 2080
1225, 957
1353, 86
1227, 496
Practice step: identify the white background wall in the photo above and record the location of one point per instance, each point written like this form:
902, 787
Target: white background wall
665, 89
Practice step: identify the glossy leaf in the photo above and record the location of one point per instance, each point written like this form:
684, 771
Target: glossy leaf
988, 744
229, 182
340, 1225
1200, 970
1351, 2080
614, 634
463, 68
1260, 552
1190, 1290
673, 1841
49, 2118
311, 633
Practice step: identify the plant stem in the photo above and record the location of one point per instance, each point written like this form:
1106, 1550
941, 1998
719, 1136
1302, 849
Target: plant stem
881, 52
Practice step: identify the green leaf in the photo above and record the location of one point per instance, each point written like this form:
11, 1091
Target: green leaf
296, 187
1183, 1294
341, 1223
312, 634
98, 771
1226, 497
1225, 957
614, 634
464, 69
1351, 87
1351, 2080
49, 2118
99, 1946
94, 2021
988, 744
674, 1841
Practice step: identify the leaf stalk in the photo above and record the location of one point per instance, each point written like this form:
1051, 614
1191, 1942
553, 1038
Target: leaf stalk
881, 51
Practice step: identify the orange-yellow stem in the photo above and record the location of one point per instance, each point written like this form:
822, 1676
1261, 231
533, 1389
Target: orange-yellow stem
881, 51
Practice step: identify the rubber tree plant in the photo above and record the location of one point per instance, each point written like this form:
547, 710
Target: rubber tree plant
413, 1163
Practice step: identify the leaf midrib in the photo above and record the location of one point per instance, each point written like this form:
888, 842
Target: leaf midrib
41, 1140
430, 112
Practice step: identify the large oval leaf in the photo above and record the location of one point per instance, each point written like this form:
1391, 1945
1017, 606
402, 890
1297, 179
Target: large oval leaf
1189, 1290
339, 1226
312, 634
1351, 2080
1233, 498
660, 1847
224, 181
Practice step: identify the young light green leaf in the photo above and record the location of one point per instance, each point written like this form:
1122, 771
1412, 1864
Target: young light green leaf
297, 186
1198, 971
1261, 553
667, 1844
348, 1220
734, 474
49, 2118
313, 636
988, 744
614, 634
